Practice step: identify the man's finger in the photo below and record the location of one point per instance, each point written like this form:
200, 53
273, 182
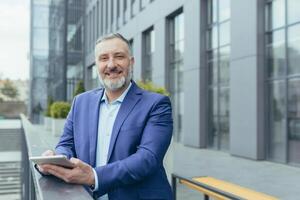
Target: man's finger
61, 171
76, 162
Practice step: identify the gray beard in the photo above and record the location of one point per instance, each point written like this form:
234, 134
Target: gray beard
117, 84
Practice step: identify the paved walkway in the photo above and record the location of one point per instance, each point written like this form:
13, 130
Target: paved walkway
279, 180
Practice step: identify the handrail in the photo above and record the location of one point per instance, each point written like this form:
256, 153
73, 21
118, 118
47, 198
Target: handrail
202, 185
36, 141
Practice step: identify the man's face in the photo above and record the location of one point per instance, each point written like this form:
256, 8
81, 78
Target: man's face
114, 63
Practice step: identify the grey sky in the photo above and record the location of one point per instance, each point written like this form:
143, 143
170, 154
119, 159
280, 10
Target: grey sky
14, 39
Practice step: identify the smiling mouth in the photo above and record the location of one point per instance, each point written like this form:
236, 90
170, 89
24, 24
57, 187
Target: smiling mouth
113, 74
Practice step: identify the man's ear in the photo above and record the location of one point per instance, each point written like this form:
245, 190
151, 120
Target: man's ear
132, 61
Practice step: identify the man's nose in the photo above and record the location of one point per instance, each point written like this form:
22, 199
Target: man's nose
111, 62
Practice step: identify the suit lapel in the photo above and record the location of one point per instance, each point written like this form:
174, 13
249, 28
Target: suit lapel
93, 118
131, 99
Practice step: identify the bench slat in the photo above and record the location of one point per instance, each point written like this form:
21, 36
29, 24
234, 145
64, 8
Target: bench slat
233, 189
203, 190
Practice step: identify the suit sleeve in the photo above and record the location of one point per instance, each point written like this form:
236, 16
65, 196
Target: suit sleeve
65, 145
149, 155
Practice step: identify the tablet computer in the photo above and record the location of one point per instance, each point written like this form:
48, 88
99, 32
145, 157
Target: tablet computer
59, 160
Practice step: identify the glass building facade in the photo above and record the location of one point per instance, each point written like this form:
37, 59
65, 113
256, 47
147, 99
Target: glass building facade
56, 54
176, 68
74, 41
57, 48
283, 79
148, 53
39, 63
218, 62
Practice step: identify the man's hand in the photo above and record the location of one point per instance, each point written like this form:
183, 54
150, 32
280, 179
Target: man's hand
82, 173
46, 153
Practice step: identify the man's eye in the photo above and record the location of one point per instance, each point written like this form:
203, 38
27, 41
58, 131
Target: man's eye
103, 58
119, 56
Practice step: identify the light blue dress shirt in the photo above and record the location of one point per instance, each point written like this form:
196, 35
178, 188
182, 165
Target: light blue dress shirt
107, 116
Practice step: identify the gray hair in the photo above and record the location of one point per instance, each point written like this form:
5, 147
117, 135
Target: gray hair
113, 36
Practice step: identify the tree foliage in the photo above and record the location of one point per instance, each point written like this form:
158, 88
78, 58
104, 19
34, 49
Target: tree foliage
48, 109
60, 109
9, 89
148, 85
79, 88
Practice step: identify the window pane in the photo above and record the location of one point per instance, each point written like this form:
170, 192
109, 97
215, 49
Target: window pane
224, 118
212, 38
179, 27
213, 72
212, 11
224, 65
41, 16
40, 39
277, 120
294, 109
148, 50
224, 33
213, 121
276, 11
176, 49
179, 47
294, 49
224, 10
276, 54
293, 11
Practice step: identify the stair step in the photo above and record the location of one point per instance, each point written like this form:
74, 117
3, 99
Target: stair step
12, 191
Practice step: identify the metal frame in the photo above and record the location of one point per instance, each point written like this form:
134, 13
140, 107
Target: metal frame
176, 177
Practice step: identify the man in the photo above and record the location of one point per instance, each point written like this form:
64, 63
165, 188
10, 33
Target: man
117, 136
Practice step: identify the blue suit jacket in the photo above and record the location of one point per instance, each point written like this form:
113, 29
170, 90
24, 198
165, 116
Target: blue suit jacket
140, 138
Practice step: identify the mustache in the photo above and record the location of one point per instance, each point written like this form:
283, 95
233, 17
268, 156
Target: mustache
113, 69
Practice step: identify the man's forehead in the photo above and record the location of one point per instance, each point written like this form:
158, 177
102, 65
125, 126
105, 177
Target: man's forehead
114, 44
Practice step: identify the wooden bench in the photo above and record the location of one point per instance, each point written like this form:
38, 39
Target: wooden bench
218, 189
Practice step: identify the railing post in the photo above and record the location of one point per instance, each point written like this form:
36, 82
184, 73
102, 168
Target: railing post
206, 197
174, 186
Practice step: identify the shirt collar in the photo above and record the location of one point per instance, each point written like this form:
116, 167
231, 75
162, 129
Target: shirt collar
119, 99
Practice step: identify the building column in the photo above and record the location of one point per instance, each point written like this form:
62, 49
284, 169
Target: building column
246, 80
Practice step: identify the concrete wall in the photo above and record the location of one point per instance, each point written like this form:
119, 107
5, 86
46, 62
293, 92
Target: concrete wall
12, 109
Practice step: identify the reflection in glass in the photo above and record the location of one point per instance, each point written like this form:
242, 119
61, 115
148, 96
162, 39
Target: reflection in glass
148, 50
214, 118
276, 116
213, 72
225, 33
40, 38
276, 13
212, 11
224, 118
41, 16
293, 11
224, 64
212, 38
224, 10
176, 50
276, 53
294, 109
218, 61
294, 49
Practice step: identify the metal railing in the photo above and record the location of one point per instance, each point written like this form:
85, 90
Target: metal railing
35, 141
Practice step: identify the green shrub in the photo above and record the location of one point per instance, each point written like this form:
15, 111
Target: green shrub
149, 86
79, 88
60, 109
48, 109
